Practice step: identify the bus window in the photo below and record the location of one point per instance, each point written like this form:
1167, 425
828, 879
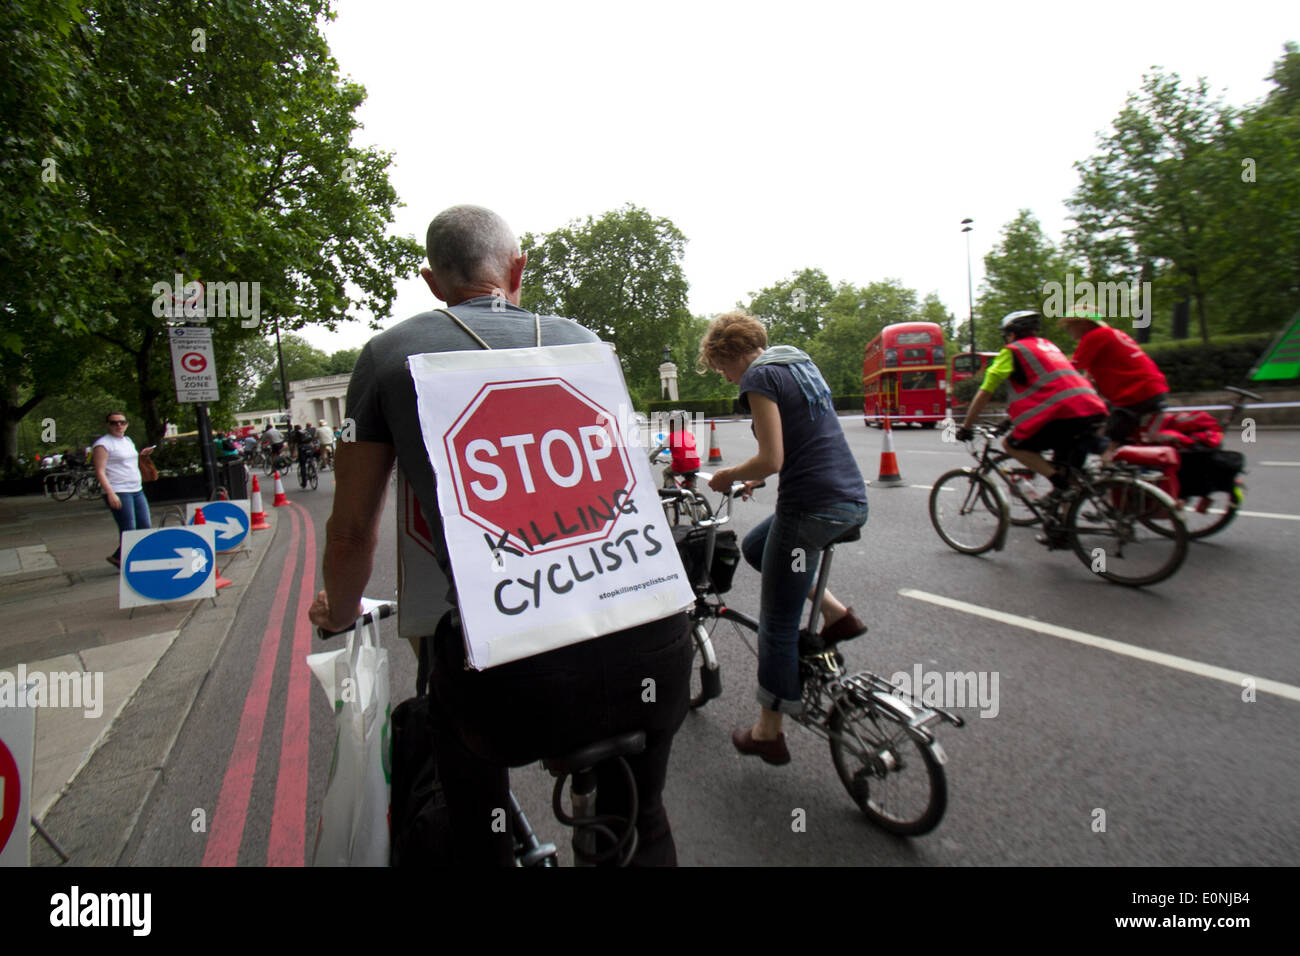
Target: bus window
914, 380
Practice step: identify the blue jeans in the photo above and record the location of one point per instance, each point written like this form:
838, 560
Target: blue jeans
132, 516
786, 548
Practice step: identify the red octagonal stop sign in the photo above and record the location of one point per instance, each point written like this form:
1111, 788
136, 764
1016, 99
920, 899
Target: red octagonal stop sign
539, 465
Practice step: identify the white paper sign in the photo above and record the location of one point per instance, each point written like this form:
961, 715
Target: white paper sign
552, 520
17, 743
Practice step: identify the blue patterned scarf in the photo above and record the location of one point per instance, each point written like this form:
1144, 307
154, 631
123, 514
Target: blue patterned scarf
809, 377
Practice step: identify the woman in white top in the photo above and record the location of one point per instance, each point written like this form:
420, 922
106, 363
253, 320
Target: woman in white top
117, 466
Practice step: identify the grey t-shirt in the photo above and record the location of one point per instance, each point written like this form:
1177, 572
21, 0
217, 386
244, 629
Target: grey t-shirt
381, 396
818, 466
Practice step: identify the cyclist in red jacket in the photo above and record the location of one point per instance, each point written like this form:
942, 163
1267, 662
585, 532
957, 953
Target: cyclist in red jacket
1123, 373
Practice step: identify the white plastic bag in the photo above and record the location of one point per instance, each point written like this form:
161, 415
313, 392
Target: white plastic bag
353, 827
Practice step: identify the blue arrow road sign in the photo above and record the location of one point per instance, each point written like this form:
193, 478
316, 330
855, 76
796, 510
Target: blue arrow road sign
228, 520
168, 564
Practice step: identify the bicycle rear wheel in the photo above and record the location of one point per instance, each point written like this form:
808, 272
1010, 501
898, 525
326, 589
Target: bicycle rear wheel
1130, 533
966, 509
313, 476
888, 770
88, 487
1205, 515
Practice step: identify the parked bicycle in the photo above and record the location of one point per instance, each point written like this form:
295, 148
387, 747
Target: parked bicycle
882, 745
63, 484
1124, 528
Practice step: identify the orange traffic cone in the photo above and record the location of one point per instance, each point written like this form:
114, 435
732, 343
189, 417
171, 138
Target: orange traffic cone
256, 515
888, 460
715, 453
216, 570
280, 497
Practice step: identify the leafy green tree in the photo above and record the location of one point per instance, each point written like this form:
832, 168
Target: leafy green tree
1255, 221
48, 242
1150, 191
620, 276
301, 360
794, 309
1016, 272
854, 317
216, 143
342, 362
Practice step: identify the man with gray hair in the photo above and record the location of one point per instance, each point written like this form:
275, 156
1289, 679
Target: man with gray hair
487, 721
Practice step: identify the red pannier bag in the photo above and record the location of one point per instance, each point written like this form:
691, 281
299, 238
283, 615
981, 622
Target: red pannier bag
1160, 458
1189, 430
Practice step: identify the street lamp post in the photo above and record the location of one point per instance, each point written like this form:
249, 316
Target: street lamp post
970, 289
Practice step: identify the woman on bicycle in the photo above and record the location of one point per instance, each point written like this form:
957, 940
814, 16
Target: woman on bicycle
821, 495
117, 466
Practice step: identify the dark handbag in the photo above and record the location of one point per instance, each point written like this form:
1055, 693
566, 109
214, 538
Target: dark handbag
148, 470
692, 543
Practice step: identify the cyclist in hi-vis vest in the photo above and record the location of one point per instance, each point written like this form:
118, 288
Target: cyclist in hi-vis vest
1052, 404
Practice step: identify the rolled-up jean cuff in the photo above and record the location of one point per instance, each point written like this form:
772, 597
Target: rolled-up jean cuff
771, 702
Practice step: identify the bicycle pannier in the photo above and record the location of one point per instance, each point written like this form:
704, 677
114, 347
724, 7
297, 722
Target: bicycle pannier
692, 544
1206, 471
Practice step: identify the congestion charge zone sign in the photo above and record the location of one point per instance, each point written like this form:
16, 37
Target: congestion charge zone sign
538, 465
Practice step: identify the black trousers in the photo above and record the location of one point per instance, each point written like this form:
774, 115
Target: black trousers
507, 716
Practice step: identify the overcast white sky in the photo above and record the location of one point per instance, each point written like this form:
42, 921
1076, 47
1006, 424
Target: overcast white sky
853, 137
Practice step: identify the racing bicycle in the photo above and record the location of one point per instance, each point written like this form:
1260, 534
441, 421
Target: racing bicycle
881, 738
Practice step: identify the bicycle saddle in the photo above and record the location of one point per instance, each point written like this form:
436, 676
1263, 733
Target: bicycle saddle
853, 534
591, 754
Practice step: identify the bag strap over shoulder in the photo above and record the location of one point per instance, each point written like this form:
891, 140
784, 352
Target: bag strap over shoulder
537, 328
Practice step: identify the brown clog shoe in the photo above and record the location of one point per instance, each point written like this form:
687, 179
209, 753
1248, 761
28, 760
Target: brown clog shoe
774, 752
846, 627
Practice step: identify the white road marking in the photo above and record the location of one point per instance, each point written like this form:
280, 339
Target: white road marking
1265, 514
1282, 464
1289, 691
1213, 511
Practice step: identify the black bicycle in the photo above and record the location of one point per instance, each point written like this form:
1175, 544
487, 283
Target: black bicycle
308, 476
881, 741
1122, 527
597, 838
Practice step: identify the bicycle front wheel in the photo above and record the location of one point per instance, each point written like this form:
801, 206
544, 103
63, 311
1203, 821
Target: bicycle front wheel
62, 487
967, 511
711, 624
1130, 533
888, 770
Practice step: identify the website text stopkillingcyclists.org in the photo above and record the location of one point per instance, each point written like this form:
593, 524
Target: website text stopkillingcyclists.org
638, 587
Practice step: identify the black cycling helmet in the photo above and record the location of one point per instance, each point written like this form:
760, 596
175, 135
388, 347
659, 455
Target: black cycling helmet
1025, 322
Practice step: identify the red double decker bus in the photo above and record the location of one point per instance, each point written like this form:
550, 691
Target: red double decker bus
964, 367
904, 375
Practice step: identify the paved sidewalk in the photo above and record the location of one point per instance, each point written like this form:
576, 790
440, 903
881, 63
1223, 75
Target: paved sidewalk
95, 766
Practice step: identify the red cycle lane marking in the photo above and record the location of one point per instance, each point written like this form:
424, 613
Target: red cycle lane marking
287, 845
232, 806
